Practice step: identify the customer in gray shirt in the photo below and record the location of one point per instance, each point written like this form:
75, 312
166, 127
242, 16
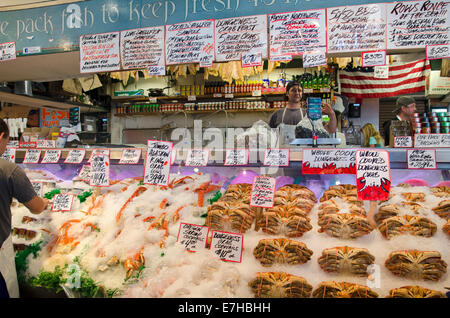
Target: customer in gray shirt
13, 184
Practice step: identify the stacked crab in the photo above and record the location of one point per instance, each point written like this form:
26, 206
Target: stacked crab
341, 215
443, 207
288, 217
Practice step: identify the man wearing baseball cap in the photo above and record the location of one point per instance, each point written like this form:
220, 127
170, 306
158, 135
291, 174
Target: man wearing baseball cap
406, 107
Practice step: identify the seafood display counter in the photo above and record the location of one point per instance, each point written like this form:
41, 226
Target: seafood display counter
316, 241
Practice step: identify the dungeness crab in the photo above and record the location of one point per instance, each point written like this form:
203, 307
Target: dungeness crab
238, 192
443, 209
343, 290
230, 216
415, 264
297, 195
346, 259
446, 227
385, 212
278, 221
280, 285
401, 224
281, 250
340, 191
331, 207
414, 292
345, 225
441, 192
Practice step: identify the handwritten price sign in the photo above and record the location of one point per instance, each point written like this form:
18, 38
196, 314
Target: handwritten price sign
373, 58
314, 58
276, 157
438, 51
251, 59
227, 246
373, 175
130, 156
236, 157
62, 202
381, 71
38, 186
263, 192
157, 163
32, 156
99, 176
329, 161
43, 143
9, 155
104, 152
403, 142
421, 158
51, 156
192, 236
7, 51
157, 70
197, 158
75, 156
85, 173
432, 140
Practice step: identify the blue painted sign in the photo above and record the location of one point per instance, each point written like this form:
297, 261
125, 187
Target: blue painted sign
58, 28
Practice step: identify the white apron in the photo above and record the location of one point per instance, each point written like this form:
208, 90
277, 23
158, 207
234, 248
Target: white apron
8, 267
287, 132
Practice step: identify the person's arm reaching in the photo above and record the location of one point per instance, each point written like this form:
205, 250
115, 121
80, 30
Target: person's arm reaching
36, 205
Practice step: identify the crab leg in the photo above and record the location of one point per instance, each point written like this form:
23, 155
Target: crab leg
136, 193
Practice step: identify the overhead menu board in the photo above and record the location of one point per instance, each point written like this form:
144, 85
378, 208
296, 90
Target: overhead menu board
416, 24
356, 28
240, 35
293, 33
142, 47
188, 42
99, 52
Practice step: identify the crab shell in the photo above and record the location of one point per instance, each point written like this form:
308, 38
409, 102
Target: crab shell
238, 192
443, 209
442, 191
415, 264
343, 259
414, 225
343, 290
414, 196
385, 212
413, 206
345, 225
295, 195
282, 251
340, 191
275, 223
230, 216
331, 207
280, 285
414, 292
446, 227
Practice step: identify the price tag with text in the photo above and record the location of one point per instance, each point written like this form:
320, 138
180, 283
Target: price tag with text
157, 162
44, 143
403, 142
373, 175
437, 51
38, 187
51, 156
276, 157
207, 56
27, 145
432, 140
7, 51
227, 246
62, 202
9, 155
329, 161
314, 58
85, 173
99, 176
32, 156
251, 59
421, 158
236, 157
263, 192
373, 58
104, 152
197, 158
157, 70
192, 236
75, 156
130, 156
281, 58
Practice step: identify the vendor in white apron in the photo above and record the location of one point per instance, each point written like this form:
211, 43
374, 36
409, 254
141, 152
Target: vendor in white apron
294, 114
13, 184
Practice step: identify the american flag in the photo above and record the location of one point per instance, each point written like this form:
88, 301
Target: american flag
404, 78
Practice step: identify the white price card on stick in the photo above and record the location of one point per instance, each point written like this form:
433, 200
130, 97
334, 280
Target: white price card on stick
85, 173
373, 175
314, 58
38, 186
100, 52
373, 58
9, 154
437, 51
44, 143
263, 192
99, 176
251, 59
51, 156
421, 158
227, 246
192, 236
130, 156
28, 145
236, 157
32, 156
75, 156
157, 162
403, 142
197, 158
62, 202
432, 140
104, 152
7, 51
157, 70
276, 157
